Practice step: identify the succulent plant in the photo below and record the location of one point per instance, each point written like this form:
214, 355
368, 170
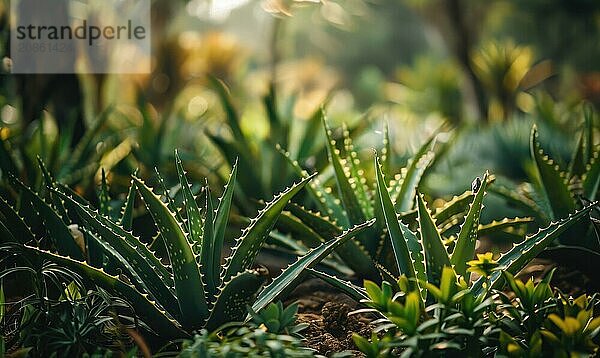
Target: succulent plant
423, 254
538, 321
553, 192
196, 290
330, 211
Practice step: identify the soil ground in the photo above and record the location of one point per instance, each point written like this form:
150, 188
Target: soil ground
326, 312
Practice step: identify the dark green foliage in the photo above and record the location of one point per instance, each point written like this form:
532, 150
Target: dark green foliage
192, 292
271, 332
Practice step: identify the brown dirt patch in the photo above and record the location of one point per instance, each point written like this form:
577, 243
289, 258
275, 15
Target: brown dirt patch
326, 312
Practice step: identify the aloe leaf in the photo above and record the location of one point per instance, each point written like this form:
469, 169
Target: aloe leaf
167, 302
140, 261
357, 175
506, 223
457, 206
591, 177
292, 273
412, 177
355, 292
167, 195
127, 212
297, 229
436, 256
147, 310
347, 194
386, 152
20, 231
234, 297
399, 244
194, 219
467, 237
207, 255
323, 225
247, 246
415, 246
347, 189
552, 181
103, 197
522, 253
389, 277
98, 223
94, 250
221, 220
50, 183
352, 253
583, 153
323, 198
577, 165
188, 281
54, 224
311, 133
527, 205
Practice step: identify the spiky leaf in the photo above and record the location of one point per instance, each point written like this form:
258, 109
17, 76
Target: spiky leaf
412, 176
515, 259
188, 281
552, 180
436, 256
147, 310
247, 246
292, 273
234, 297
399, 244
140, 261
464, 250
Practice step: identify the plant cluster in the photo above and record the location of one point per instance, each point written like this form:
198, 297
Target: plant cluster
431, 288
193, 291
531, 320
272, 332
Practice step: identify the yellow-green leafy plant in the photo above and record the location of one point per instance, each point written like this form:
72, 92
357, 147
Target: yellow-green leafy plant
538, 321
271, 332
452, 321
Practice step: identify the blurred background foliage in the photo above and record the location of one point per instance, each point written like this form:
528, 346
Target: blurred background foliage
489, 68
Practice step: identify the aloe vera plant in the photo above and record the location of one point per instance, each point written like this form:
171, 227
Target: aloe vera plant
352, 199
422, 255
196, 289
378, 253
553, 192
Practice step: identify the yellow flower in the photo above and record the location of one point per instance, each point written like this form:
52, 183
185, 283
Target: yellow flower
484, 265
